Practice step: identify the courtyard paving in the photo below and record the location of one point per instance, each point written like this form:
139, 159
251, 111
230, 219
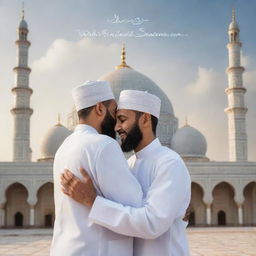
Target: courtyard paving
203, 241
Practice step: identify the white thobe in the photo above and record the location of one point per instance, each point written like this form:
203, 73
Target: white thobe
158, 225
101, 156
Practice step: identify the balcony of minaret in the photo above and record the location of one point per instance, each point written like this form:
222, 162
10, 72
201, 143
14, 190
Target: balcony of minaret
22, 90
22, 111
236, 111
22, 69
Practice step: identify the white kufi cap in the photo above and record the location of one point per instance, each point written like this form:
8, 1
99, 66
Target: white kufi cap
90, 93
140, 101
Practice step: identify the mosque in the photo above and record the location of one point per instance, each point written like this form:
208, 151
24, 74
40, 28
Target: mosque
223, 193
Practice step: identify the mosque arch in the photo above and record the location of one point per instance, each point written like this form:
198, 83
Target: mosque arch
249, 206
215, 184
8, 184
41, 183
224, 209
198, 207
44, 208
17, 207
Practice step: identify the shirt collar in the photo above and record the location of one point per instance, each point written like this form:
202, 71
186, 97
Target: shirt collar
150, 147
85, 127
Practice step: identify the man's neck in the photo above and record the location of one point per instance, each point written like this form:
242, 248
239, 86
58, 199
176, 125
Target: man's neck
92, 124
145, 142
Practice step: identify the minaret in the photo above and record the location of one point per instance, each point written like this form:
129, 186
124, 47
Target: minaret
21, 110
236, 110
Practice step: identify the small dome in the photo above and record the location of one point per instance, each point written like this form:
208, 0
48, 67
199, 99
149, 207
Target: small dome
233, 25
52, 141
189, 143
23, 24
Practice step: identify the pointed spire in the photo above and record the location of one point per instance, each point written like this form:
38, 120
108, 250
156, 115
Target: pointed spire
23, 24
186, 121
233, 15
233, 24
22, 11
123, 55
123, 59
58, 124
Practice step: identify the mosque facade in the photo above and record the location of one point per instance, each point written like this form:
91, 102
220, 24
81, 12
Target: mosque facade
223, 193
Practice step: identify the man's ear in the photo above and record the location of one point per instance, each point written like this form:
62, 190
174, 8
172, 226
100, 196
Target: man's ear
145, 120
100, 109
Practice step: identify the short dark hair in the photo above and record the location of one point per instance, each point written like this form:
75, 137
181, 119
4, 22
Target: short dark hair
154, 120
84, 113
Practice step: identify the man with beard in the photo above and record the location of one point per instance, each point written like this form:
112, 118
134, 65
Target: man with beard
158, 226
102, 157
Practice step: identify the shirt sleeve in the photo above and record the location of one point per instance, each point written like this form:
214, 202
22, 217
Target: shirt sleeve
167, 199
114, 177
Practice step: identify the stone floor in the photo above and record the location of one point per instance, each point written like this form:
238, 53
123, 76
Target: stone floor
222, 241
203, 241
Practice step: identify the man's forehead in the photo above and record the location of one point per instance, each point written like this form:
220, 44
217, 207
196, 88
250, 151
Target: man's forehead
124, 112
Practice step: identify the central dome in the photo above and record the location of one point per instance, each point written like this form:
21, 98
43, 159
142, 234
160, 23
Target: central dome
128, 79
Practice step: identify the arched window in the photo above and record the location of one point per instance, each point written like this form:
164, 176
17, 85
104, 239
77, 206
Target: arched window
221, 218
235, 36
18, 219
232, 37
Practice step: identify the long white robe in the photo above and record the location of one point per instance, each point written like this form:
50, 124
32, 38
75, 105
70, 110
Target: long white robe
158, 225
101, 156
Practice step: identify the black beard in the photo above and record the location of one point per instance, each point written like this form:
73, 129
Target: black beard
108, 126
132, 139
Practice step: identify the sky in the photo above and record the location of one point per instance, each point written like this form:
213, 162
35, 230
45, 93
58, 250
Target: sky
189, 64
